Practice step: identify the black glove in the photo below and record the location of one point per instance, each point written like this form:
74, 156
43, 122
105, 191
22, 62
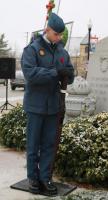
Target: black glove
62, 72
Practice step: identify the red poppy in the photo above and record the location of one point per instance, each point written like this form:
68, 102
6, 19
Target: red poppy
62, 60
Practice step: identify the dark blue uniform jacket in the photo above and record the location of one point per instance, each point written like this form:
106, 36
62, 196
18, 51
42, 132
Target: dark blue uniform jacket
40, 65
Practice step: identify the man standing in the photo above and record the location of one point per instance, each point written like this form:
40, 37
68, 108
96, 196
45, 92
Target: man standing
45, 64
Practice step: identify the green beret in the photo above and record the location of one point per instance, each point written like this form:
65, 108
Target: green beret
56, 23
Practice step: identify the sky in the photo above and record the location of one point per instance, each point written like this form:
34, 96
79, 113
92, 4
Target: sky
19, 17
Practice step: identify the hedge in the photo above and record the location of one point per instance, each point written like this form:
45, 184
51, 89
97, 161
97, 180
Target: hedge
12, 128
83, 151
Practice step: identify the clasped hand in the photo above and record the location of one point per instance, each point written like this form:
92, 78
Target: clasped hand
61, 72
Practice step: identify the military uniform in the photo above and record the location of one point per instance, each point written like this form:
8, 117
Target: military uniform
41, 65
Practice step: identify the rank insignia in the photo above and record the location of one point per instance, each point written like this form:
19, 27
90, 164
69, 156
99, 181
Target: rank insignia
41, 52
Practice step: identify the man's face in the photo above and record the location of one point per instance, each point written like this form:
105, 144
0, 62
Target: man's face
53, 36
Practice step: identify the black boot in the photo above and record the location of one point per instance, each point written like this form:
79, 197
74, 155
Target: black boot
48, 188
34, 186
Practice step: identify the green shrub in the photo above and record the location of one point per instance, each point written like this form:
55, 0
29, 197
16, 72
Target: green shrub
83, 151
12, 128
65, 36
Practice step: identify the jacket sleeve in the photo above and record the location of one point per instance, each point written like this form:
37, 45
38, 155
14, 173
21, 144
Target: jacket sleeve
66, 71
70, 70
32, 73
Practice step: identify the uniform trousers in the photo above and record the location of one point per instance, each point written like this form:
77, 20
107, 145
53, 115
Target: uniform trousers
42, 141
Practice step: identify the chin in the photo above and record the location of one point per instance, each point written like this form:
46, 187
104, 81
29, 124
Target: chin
55, 41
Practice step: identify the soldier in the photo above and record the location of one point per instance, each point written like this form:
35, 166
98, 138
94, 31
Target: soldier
45, 64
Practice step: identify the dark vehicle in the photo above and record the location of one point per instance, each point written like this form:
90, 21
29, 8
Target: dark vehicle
19, 80
3, 81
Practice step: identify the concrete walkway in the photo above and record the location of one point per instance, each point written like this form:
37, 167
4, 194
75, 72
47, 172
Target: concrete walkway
12, 170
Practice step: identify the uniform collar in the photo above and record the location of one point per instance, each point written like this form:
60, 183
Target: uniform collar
46, 39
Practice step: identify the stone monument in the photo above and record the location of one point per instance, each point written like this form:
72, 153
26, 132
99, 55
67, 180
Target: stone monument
79, 101
97, 75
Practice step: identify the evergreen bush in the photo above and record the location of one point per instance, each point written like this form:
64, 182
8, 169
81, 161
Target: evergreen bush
83, 151
12, 128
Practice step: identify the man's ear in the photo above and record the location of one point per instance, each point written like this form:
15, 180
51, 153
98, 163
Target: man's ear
47, 29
